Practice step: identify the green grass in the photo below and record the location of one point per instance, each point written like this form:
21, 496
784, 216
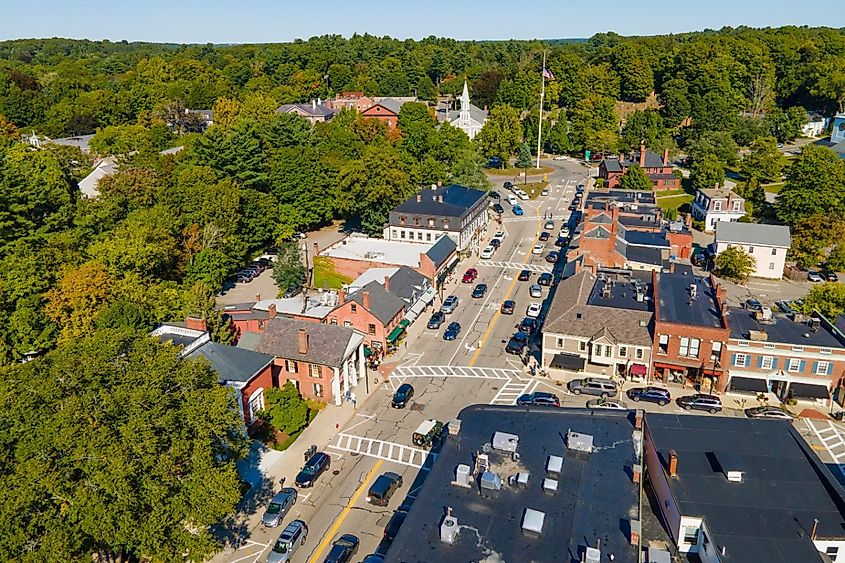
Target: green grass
669, 193
674, 202
518, 171
774, 188
325, 275
533, 189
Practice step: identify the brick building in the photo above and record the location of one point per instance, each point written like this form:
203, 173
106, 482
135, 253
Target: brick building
385, 110
356, 101
374, 311
690, 328
658, 169
252, 317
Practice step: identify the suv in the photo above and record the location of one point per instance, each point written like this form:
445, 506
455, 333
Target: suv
343, 549
437, 319
701, 402
517, 343
315, 466
538, 398
528, 325
290, 540
449, 304
404, 394
545, 279
524, 275
383, 488
498, 208
651, 394
428, 434
278, 507
598, 386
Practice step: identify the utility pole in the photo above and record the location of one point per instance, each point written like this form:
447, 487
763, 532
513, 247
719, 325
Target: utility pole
542, 95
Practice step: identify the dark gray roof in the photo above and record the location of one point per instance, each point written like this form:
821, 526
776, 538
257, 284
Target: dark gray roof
636, 221
232, 363
319, 110
407, 284
623, 292
384, 305
177, 339
753, 234
644, 255
645, 238
676, 306
594, 501
441, 250
783, 329
457, 201
390, 104
638, 197
326, 343
767, 516
612, 165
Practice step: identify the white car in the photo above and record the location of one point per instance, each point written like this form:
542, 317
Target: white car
545, 191
523, 196
559, 157
564, 231
535, 290
487, 253
500, 235
512, 199
534, 310
605, 404
538, 249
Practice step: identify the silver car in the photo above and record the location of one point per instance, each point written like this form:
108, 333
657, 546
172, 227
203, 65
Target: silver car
289, 542
449, 304
601, 387
279, 506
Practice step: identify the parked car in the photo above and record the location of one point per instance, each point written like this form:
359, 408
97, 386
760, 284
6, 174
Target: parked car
538, 249
449, 304
288, 542
814, 276
394, 524
494, 195
561, 241
545, 279
511, 199
314, 467
700, 402
533, 310
549, 225
517, 210
785, 306
245, 277
572, 206
403, 394
775, 413
373, 558
495, 243
528, 325
544, 236
479, 290
343, 549
545, 191
752, 305
535, 290
830, 276
517, 343
437, 319
498, 208
383, 488
452, 331
279, 506
524, 275
500, 235
487, 252
599, 386
470, 275
657, 395
606, 404
564, 231
522, 195
579, 188
507, 185
538, 398
508, 307
552, 257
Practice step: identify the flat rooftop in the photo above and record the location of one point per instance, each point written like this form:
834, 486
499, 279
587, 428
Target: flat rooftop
358, 247
315, 305
594, 501
676, 304
622, 196
769, 514
621, 293
783, 329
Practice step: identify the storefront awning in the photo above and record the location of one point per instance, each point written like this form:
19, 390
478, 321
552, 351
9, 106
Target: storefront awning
567, 361
367, 351
808, 390
748, 384
428, 296
395, 334
638, 369
404, 323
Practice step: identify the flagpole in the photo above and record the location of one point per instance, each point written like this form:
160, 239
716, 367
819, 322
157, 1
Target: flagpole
542, 95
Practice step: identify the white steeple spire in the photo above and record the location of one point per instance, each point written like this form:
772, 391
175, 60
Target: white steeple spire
464, 116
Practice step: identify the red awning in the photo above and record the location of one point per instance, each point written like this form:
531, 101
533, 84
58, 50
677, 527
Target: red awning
638, 369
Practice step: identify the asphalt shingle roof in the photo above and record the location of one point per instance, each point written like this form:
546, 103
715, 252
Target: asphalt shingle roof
407, 283
457, 201
232, 363
384, 305
319, 111
442, 249
753, 234
326, 343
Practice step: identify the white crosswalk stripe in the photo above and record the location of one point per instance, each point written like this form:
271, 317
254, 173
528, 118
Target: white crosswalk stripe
539, 268
832, 437
510, 391
404, 372
518, 219
388, 451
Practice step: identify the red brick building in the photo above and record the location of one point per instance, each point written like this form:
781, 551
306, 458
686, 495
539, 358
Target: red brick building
386, 110
374, 311
657, 168
350, 100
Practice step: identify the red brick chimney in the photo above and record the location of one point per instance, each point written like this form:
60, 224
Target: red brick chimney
665, 157
387, 283
614, 216
271, 311
673, 463
196, 323
341, 296
303, 341
365, 298
642, 155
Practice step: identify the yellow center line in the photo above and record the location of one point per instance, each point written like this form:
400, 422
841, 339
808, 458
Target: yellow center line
498, 312
344, 513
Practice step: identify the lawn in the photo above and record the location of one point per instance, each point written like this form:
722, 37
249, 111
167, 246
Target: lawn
533, 189
674, 202
668, 193
325, 276
774, 188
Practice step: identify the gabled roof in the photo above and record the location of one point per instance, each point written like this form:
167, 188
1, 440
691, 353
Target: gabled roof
753, 234
475, 114
327, 344
407, 283
457, 201
232, 363
384, 305
442, 249
390, 104
598, 232
612, 165
311, 110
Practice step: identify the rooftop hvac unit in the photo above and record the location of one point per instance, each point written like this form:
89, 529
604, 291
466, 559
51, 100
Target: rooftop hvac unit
490, 481
461, 476
549, 485
640, 296
592, 555
693, 290
554, 464
505, 442
449, 528
532, 521
579, 442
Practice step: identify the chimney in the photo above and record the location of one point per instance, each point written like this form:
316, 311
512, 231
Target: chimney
642, 155
387, 283
419, 198
313, 104
665, 157
365, 297
440, 198
341, 296
815, 528
303, 341
673, 464
271, 311
196, 323
671, 267
319, 101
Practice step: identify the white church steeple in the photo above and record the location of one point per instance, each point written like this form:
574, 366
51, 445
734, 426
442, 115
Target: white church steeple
464, 116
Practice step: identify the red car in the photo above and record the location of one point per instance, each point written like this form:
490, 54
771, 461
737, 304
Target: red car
470, 275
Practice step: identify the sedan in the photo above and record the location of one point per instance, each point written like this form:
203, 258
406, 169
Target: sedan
498, 208
507, 185
404, 394
606, 404
495, 242
545, 191
494, 195
552, 257
452, 331
342, 549
561, 241
701, 402
517, 343
437, 319
470, 275
528, 325
545, 279
831, 276
315, 466
579, 188
394, 524
487, 253
508, 307
651, 394
535, 291
278, 507
517, 210
544, 236
775, 413
814, 276
524, 275
533, 310
538, 398
549, 225
538, 249
785, 306
479, 290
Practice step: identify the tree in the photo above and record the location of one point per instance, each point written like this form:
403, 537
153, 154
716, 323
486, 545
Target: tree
200, 302
288, 271
557, 140
635, 178
77, 299
836, 259
287, 411
813, 236
123, 314
501, 134
717, 143
129, 454
735, 264
468, 170
815, 184
763, 161
707, 172
644, 127
523, 158
226, 112
826, 298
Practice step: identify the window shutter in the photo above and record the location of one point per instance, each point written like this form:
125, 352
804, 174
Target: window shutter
759, 361
830, 368
774, 363
747, 361
733, 360
801, 365
815, 366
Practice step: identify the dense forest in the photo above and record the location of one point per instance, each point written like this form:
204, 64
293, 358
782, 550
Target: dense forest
79, 277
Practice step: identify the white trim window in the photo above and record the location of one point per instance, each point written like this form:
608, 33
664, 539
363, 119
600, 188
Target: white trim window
793, 365
822, 367
767, 362
683, 350
255, 403
739, 360
694, 347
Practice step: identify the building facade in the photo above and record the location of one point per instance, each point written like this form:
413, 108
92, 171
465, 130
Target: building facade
658, 169
470, 118
315, 112
713, 205
373, 311
767, 244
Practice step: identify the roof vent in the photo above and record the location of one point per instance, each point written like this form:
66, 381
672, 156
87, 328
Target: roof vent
693, 290
462, 478
592, 555
449, 528
532, 521
490, 481
505, 442
579, 442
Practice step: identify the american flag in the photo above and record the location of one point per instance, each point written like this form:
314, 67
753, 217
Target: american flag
547, 74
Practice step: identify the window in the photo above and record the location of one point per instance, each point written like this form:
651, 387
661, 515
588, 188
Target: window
771, 265
333, 321
256, 403
428, 237
623, 351
663, 344
715, 351
793, 365
294, 382
290, 366
774, 252
419, 235
824, 351
597, 349
260, 325
740, 359
684, 349
694, 347
690, 535
402, 234
402, 220
560, 342
446, 224
737, 206
608, 350
394, 233
416, 221
314, 371
767, 362
750, 250
582, 346
371, 328
821, 368
318, 390
639, 353
832, 551
354, 308
431, 221
717, 205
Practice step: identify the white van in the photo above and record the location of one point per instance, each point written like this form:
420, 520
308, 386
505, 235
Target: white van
512, 199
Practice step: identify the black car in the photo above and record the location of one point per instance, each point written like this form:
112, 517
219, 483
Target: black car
544, 236
495, 195
517, 343
342, 549
528, 325
507, 185
437, 319
572, 206
651, 394
579, 188
384, 488
545, 279
752, 305
496, 242
498, 208
479, 290
524, 275
315, 467
538, 398
553, 256
394, 524
701, 402
452, 331
561, 241
508, 307
404, 394
830, 276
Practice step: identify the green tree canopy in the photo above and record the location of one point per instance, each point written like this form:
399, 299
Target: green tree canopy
635, 178
763, 161
707, 172
826, 298
815, 184
288, 271
735, 264
501, 134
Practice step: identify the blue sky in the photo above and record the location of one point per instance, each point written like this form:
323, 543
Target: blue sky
246, 21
